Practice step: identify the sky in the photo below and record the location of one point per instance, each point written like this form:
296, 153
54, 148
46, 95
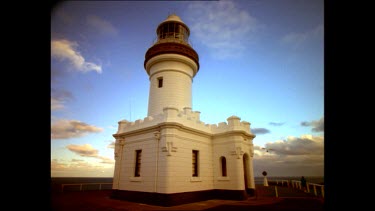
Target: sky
261, 60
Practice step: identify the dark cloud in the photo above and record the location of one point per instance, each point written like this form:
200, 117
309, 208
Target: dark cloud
304, 145
277, 123
317, 126
61, 94
260, 131
305, 124
294, 156
59, 98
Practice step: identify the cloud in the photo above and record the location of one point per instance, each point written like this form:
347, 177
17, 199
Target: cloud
56, 104
76, 160
221, 26
317, 126
64, 129
78, 168
294, 156
102, 26
304, 145
85, 150
260, 130
296, 40
277, 123
111, 145
58, 99
66, 50
106, 160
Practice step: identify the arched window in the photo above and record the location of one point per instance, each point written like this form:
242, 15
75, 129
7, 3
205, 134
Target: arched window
223, 162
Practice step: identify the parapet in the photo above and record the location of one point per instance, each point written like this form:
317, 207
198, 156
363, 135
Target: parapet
186, 117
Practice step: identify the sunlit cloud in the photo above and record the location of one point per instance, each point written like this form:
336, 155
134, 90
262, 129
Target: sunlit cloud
297, 39
85, 150
106, 160
80, 168
260, 131
222, 26
101, 25
64, 129
317, 126
66, 50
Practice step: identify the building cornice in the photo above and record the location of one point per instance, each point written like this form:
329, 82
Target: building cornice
184, 128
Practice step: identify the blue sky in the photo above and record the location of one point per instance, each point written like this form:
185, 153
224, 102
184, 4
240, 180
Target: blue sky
261, 60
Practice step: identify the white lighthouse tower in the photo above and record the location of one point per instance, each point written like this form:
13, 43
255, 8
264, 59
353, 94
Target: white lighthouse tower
171, 157
171, 64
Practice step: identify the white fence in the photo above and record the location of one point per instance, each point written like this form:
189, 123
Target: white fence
297, 184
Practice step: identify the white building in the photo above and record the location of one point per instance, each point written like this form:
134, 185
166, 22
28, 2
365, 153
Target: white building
171, 157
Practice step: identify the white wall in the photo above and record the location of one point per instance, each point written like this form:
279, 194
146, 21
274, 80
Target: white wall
175, 161
177, 72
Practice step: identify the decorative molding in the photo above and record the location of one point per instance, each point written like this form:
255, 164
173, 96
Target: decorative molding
157, 135
169, 148
238, 152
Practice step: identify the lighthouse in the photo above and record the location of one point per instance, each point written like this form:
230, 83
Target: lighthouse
171, 157
171, 64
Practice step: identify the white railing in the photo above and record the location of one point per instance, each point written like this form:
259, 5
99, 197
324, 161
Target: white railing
297, 184
315, 185
282, 181
81, 185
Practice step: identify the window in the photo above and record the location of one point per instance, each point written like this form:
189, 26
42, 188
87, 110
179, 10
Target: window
223, 161
160, 82
195, 163
137, 170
